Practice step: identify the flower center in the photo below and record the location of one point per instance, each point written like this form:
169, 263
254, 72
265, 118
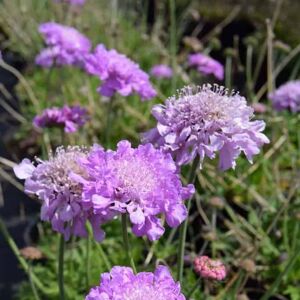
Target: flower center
145, 291
136, 177
60, 165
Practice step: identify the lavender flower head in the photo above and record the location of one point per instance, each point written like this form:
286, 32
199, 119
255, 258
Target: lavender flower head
52, 183
72, 2
118, 74
161, 71
122, 284
65, 46
287, 96
206, 65
206, 121
142, 182
71, 118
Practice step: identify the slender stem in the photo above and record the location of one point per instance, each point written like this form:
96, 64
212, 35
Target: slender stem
23, 82
21, 260
108, 121
295, 70
32, 285
61, 268
126, 242
173, 43
276, 283
228, 69
183, 227
270, 56
88, 260
100, 249
104, 256
249, 71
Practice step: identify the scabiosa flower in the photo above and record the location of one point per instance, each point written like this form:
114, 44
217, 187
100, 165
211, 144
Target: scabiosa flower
206, 121
52, 183
206, 65
118, 74
122, 284
71, 118
209, 268
287, 96
161, 71
142, 182
65, 45
72, 2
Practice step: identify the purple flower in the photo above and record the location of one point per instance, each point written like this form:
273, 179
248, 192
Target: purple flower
287, 96
206, 121
65, 46
71, 118
142, 182
161, 71
52, 183
72, 2
118, 74
121, 283
206, 65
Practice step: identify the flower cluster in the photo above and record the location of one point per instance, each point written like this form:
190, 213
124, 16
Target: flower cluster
287, 96
71, 118
118, 74
209, 268
206, 65
206, 121
161, 71
142, 182
122, 283
65, 45
61, 196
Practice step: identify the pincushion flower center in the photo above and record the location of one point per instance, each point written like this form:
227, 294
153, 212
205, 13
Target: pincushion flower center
142, 292
136, 176
61, 164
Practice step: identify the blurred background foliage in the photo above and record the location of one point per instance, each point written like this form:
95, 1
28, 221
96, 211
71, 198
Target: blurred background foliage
248, 217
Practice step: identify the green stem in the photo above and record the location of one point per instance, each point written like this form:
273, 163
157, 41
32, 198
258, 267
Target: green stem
108, 121
126, 242
228, 69
61, 267
279, 278
88, 260
183, 227
295, 70
249, 71
23, 82
21, 260
100, 249
270, 57
32, 285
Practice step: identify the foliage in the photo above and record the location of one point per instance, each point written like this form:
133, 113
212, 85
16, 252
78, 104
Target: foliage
258, 220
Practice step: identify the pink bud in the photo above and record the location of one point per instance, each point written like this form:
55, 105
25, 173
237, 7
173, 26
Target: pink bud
259, 108
209, 268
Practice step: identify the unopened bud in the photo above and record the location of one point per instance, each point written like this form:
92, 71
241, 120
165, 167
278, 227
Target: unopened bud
248, 265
